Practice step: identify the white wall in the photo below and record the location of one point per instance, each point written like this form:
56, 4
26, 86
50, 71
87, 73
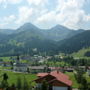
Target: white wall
59, 88
22, 69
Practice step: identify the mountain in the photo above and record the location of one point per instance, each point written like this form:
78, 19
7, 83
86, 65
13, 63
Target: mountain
27, 32
28, 37
60, 32
26, 27
55, 33
2, 36
75, 43
24, 40
7, 31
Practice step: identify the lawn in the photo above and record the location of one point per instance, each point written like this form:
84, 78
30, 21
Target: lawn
13, 77
30, 77
75, 84
81, 53
5, 59
71, 75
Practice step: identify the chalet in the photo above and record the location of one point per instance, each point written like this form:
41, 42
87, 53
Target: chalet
55, 79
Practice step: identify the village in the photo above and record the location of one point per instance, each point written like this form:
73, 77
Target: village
38, 64
57, 76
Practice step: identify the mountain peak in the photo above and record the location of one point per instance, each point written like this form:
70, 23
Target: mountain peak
27, 26
60, 27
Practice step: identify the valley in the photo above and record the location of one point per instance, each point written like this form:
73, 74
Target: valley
28, 50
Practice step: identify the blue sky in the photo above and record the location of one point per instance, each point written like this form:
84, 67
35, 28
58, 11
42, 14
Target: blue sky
73, 14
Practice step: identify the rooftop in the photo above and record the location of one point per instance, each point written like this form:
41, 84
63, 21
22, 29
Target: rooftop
59, 76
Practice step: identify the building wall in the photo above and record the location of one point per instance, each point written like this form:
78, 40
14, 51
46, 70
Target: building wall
60, 88
88, 71
20, 69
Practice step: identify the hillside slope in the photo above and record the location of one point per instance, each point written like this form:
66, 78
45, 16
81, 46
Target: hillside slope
75, 43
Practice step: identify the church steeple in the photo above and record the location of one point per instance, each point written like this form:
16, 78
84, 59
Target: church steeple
18, 59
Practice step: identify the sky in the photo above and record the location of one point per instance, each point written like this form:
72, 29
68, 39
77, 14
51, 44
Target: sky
74, 14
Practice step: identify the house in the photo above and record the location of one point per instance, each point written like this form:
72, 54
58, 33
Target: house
6, 64
36, 69
68, 69
55, 79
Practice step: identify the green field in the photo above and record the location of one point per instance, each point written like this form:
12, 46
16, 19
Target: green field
30, 77
81, 53
71, 75
6, 59
13, 77
75, 84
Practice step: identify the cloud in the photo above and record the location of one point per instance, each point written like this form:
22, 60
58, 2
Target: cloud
87, 18
46, 13
2, 25
37, 2
5, 3
25, 14
10, 1
7, 20
48, 19
69, 13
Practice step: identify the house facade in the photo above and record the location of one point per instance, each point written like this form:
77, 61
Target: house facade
56, 81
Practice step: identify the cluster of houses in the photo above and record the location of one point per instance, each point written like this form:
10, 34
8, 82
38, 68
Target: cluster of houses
25, 67
54, 76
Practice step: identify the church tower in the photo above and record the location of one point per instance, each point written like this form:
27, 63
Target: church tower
18, 59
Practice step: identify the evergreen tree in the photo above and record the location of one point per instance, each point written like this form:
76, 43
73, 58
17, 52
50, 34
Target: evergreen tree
25, 84
4, 83
19, 83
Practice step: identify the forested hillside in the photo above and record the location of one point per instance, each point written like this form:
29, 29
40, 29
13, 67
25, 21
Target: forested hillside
29, 37
75, 43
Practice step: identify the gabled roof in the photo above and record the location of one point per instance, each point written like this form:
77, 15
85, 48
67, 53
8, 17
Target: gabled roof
59, 76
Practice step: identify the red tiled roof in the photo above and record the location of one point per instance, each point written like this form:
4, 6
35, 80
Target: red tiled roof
59, 76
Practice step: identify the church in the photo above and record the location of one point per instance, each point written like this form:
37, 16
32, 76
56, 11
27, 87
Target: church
20, 67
